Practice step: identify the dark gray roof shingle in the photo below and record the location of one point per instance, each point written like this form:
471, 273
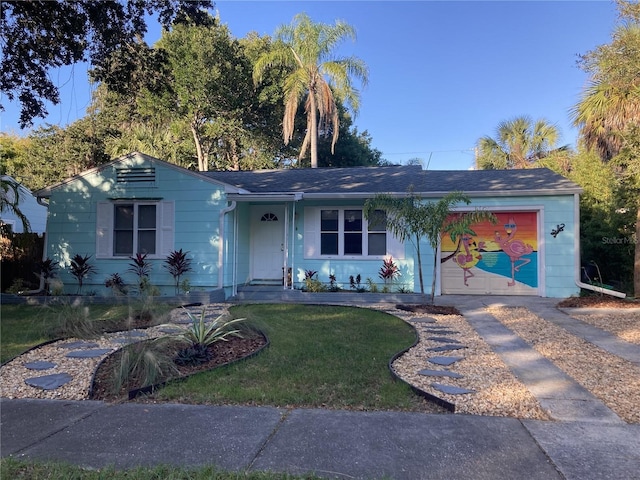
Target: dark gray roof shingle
395, 179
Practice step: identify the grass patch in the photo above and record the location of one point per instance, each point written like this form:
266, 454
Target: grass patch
320, 356
25, 326
20, 469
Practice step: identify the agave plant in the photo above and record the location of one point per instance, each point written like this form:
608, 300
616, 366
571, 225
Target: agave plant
201, 334
178, 264
81, 269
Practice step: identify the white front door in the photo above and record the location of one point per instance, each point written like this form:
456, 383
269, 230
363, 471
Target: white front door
267, 242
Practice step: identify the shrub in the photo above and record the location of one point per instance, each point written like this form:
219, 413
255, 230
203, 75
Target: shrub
311, 282
48, 270
141, 267
81, 269
178, 264
355, 283
116, 284
389, 270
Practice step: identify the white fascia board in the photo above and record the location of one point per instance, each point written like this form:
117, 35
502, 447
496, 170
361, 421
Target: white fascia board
263, 197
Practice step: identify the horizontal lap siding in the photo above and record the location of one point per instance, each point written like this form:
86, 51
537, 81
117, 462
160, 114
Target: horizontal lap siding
72, 224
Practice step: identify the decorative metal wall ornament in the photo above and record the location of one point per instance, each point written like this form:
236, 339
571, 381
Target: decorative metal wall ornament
557, 230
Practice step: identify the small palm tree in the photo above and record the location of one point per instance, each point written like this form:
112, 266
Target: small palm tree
305, 50
410, 218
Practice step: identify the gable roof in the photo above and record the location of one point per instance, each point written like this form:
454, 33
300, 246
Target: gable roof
367, 181
131, 157
362, 182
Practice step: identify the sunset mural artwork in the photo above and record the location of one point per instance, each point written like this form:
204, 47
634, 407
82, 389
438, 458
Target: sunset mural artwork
489, 257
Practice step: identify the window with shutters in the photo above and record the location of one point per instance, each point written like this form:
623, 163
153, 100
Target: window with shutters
124, 229
345, 232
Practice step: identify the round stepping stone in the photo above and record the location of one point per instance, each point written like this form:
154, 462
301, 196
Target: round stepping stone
39, 365
439, 373
96, 352
78, 344
445, 361
443, 339
445, 348
451, 390
49, 382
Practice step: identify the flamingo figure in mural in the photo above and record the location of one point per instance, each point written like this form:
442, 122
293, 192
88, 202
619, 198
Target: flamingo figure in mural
515, 249
469, 258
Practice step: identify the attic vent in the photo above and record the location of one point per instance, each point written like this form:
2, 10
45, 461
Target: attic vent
136, 175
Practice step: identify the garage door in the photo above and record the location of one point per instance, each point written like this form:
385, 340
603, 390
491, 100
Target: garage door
493, 259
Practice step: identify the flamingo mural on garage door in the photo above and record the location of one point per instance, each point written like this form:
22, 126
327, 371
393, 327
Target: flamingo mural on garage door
509, 253
514, 248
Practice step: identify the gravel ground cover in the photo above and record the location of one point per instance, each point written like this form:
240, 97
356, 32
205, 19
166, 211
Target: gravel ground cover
615, 381
14, 373
497, 391
625, 325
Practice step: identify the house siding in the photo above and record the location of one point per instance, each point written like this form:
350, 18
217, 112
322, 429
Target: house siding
556, 255
73, 214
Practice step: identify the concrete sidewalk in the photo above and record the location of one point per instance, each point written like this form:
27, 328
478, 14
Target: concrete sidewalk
331, 444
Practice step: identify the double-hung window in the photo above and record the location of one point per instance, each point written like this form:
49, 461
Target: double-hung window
124, 229
345, 232
134, 229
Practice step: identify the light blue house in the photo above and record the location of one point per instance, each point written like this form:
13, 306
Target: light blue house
270, 227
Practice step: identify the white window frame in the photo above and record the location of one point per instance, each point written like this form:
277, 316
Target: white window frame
105, 228
313, 234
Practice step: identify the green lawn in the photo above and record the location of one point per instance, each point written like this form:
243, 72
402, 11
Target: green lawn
16, 469
25, 326
319, 356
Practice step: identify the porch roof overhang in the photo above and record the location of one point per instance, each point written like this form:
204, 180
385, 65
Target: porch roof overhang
265, 197
297, 196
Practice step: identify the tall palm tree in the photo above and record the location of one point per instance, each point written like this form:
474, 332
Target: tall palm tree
519, 143
604, 113
608, 114
305, 50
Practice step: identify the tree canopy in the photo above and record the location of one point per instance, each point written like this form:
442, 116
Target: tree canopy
41, 35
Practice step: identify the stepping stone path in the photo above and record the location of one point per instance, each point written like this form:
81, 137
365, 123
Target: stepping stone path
451, 390
446, 348
81, 349
445, 361
39, 365
49, 382
92, 353
442, 334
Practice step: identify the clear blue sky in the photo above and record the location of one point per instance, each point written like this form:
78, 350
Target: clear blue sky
441, 74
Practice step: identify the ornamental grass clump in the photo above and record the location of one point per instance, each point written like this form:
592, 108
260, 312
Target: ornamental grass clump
201, 334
